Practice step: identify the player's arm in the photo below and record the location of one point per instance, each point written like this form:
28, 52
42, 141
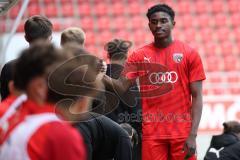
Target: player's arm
196, 91
120, 85
197, 104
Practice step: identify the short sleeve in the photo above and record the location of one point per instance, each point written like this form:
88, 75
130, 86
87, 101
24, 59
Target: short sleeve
196, 71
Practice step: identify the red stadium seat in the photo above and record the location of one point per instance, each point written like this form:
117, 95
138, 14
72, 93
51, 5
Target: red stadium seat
51, 10
13, 12
87, 23
49, 1
70, 22
66, 1
84, 9
104, 23
90, 38
99, 1
139, 37
118, 9
213, 64
231, 63
67, 10
218, 6
137, 22
33, 2
204, 20
21, 27
223, 34
2, 26
101, 9
233, 78
233, 6
236, 32
201, 7
178, 34
123, 35
207, 35
234, 18
205, 91
56, 24
92, 49
235, 90
219, 91
211, 49
184, 7
188, 21
227, 49
33, 9
215, 79
135, 8
120, 23
105, 37
190, 35
221, 20
80, 1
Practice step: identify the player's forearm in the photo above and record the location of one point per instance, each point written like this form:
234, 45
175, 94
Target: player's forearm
120, 85
196, 113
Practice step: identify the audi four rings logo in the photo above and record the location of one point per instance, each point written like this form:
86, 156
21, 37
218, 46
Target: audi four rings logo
163, 77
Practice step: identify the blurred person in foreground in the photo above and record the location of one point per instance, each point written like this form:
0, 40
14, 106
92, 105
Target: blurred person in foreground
170, 74
104, 138
31, 128
117, 52
227, 145
35, 28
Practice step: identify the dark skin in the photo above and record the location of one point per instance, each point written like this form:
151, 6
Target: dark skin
196, 91
161, 25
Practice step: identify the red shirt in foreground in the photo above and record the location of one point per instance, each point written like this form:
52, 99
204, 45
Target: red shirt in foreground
44, 135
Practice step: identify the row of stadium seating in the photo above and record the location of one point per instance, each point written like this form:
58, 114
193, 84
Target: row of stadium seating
210, 26
135, 7
222, 83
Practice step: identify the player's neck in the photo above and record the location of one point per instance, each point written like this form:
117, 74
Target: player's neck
163, 43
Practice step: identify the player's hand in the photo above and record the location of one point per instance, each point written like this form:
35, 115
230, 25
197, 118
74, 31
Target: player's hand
102, 66
190, 146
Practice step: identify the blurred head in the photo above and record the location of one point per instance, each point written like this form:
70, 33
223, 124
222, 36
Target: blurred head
161, 20
73, 35
232, 127
74, 84
131, 132
30, 70
38, 27
117, 49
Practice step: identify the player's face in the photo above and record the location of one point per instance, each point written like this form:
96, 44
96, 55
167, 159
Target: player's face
160, 24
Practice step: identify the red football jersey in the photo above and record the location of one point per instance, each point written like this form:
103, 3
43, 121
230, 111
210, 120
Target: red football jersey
165, 76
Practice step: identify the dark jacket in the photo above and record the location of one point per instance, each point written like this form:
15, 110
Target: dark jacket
104, 138
219, 147
5, 77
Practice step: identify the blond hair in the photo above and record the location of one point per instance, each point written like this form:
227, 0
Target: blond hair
73, 35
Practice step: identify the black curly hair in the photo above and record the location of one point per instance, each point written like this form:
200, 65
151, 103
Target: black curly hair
117, 49
161, 8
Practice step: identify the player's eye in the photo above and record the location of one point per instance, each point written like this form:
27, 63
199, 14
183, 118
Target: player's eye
154, 21
164, 20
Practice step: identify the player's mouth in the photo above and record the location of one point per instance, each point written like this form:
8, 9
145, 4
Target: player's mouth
160, 31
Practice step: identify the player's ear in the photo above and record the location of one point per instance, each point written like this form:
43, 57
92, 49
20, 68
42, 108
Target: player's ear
173, 23
26, 38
